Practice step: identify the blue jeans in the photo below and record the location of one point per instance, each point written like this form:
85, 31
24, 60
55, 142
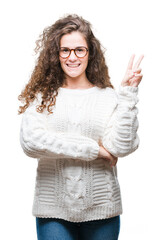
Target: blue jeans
59, 229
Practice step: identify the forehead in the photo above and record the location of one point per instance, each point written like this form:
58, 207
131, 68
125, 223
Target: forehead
72, 40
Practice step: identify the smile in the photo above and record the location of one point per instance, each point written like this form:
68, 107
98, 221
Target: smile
73, 65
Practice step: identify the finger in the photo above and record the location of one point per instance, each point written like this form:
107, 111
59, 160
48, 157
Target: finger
138, 75
114, 162
136, 81
135, 75
130, 76
112, 158
130, 64
138, 70
137, 64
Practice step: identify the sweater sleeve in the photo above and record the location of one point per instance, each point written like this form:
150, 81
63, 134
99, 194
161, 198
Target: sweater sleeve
120, 136
38, 142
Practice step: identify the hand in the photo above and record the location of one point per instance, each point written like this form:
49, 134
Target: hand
133, 75
103, 153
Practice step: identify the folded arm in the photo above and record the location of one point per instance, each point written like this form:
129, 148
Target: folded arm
120, 136
38, 142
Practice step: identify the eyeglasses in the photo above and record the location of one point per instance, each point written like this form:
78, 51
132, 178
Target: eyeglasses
80, 52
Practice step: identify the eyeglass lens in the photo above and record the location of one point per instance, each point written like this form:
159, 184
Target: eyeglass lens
79, 52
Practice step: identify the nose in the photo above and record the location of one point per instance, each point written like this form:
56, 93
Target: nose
72, 56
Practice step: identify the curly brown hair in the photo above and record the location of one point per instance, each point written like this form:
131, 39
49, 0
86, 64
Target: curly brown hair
48, 75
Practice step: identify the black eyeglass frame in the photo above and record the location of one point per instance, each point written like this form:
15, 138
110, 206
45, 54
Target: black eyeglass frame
73, 49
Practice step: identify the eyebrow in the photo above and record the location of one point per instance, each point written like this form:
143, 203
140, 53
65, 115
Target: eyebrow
75, 47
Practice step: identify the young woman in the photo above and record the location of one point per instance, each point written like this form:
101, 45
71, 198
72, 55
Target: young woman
77, 126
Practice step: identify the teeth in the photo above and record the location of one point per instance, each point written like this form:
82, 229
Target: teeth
73, 65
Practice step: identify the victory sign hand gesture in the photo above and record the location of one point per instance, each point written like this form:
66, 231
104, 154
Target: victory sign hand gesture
133, 74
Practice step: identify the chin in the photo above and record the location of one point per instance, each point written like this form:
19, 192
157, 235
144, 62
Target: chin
75, 75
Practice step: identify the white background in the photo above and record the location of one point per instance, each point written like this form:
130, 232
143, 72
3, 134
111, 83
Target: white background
123, 27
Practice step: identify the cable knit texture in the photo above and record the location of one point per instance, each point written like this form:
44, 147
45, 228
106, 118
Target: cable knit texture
72, 183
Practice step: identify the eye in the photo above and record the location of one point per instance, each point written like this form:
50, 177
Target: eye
80, 50
64, 50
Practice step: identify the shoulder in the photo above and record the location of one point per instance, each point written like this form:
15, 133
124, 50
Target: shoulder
107, 90
108, 98
38, 100
32, 108
109, 93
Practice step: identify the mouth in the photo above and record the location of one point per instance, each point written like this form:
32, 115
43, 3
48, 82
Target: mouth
73, 65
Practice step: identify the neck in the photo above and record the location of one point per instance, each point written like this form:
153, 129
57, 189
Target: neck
79, 82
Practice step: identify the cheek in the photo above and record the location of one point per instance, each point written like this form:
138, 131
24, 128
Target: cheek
85, 60
86, 63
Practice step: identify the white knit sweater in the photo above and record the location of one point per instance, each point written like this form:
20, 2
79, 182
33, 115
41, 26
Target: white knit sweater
72, 183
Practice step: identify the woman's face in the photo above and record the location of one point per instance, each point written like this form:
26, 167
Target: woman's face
74, 66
